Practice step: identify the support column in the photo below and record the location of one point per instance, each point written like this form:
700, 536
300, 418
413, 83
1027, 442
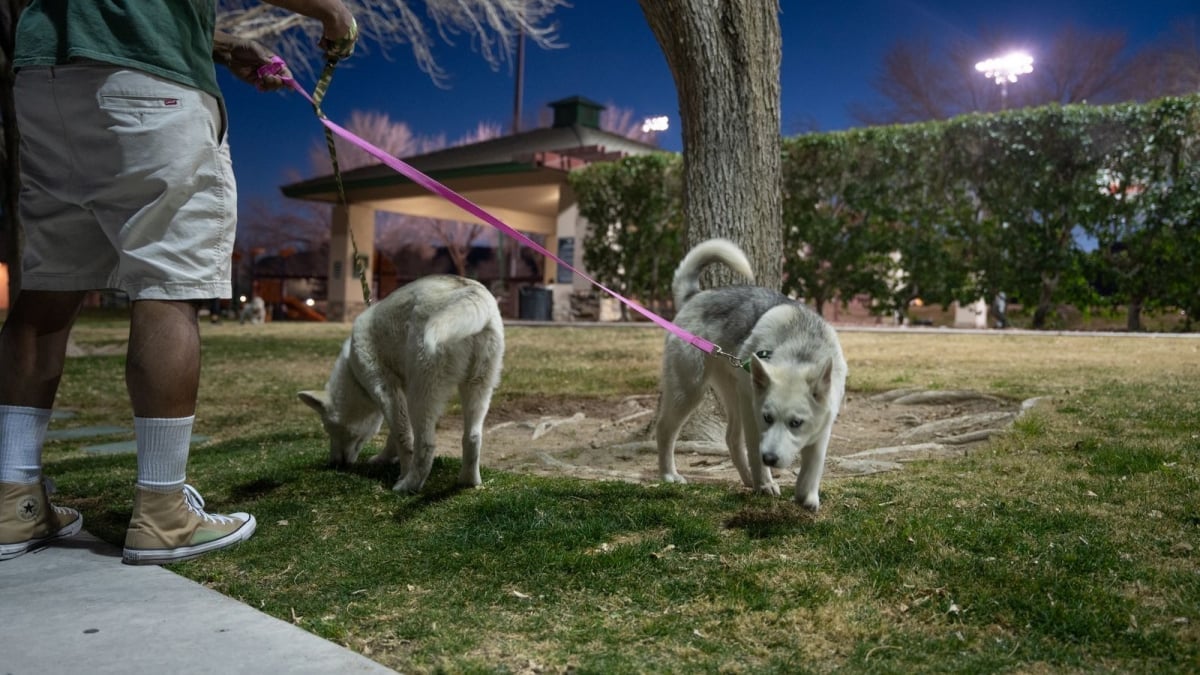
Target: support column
570, 229
344, 294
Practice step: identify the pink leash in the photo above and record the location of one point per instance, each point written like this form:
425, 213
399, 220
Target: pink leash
416, 176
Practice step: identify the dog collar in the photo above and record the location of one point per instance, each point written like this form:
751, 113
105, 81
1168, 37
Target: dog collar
762, 354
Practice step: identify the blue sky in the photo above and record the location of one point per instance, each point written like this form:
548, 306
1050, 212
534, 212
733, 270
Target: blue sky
831, 53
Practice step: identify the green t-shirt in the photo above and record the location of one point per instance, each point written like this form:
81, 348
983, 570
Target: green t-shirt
172, 39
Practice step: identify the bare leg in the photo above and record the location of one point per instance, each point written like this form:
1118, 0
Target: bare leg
33, 346
162, 369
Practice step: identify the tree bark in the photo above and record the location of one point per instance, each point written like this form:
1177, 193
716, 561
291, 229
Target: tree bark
1133, 314
1041, 315
724, 56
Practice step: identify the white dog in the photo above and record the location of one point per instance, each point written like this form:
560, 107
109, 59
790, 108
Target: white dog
254, 311
781, 404
405, 357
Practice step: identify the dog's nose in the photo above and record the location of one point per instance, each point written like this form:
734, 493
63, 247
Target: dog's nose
770, 459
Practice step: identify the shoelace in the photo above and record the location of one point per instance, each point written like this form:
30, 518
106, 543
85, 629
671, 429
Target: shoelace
196, 503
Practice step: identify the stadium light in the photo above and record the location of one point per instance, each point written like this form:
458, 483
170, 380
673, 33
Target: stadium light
1004, 70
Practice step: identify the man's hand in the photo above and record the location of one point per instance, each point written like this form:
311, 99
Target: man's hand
244, 57
337, 49
341, 31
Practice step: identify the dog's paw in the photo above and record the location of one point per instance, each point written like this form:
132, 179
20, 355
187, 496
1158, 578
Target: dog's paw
673, 478
407, 487
383, 458
809, 503
771, 489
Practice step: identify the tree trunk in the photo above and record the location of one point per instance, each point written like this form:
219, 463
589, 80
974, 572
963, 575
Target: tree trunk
724, 56
1045, 301
1133, 315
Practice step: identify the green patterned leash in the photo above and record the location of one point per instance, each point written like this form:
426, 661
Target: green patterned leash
335, 52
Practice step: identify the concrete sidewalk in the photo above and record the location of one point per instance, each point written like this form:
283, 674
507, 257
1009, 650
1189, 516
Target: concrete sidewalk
74, 607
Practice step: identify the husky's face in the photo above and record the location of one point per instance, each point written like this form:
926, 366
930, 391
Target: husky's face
346, 436
792, 405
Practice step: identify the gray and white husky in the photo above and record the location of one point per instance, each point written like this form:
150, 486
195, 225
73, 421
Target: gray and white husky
781, 404
405, 357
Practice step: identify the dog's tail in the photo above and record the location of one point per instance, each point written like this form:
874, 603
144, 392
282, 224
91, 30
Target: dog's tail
687, 275
466, 312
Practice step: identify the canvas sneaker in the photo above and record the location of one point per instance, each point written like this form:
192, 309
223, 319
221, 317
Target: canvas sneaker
28, 519
173, 526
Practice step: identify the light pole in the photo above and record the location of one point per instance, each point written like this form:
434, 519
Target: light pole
1004, 70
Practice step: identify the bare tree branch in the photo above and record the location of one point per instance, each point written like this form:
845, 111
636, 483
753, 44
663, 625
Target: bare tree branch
1170, 66
492, 25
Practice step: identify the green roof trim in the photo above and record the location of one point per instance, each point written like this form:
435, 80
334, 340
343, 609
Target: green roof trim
327, 184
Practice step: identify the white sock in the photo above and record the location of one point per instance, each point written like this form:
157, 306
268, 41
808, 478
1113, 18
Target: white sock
162, 451
22, 432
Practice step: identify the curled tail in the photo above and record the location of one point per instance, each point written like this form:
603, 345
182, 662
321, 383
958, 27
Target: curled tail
465, 312
687, 275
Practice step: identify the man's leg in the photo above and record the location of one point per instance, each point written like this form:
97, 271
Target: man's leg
162, 373
33, 347
162, 369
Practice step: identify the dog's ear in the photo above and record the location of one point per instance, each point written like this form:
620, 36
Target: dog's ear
317, 400
758, 374
823, 381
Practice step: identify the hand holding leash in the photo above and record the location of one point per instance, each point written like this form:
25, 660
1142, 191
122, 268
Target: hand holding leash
337, 49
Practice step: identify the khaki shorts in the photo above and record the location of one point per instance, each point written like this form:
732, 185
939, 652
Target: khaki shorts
126, 183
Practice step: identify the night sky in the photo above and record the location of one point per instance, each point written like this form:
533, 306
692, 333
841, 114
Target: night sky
831, 53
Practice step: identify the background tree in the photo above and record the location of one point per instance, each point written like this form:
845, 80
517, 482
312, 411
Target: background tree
834, 247
1149, 208
1168, 67
635, 240
724, 56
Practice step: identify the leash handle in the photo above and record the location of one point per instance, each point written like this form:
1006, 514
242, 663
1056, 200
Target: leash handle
416, 176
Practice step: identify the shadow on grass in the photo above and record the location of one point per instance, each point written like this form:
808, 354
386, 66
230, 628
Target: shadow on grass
255, 489
761, 519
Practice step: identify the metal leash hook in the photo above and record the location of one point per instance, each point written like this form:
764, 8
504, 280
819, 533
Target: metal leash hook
731, 358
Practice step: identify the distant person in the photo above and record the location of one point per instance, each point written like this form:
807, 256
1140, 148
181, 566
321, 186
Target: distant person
1001, 304
126, 184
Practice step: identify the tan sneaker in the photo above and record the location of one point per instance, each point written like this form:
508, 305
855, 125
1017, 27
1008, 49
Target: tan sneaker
28, 519
171, 527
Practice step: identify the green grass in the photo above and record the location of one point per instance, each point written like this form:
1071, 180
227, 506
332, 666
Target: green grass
1067, 545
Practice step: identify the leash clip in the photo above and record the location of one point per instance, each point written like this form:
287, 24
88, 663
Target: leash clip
731, 358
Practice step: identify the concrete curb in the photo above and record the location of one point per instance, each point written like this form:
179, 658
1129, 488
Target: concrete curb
75, 607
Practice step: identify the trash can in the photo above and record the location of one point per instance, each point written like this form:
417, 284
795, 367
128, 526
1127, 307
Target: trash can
535, 303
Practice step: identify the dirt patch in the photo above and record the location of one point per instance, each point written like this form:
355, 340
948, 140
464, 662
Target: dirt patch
613, 440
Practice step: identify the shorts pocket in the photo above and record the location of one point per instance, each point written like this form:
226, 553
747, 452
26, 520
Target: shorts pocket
140, 104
